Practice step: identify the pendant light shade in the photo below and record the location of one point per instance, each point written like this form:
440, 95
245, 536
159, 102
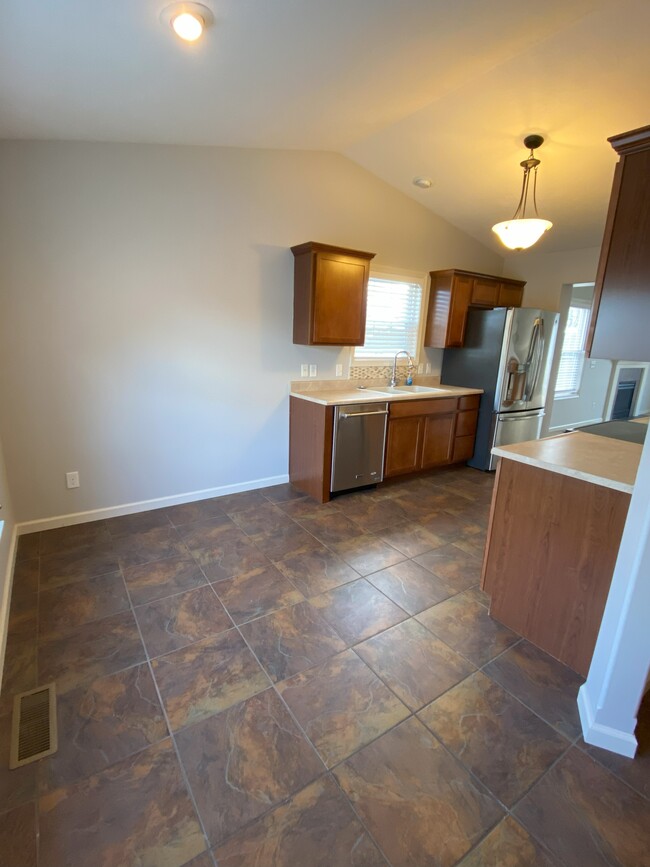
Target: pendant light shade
521, 232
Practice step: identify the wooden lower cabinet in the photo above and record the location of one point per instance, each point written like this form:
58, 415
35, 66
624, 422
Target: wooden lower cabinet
424, 434
549, 557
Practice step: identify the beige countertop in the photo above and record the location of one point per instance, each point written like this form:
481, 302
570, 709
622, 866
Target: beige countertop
600, 460
352, 394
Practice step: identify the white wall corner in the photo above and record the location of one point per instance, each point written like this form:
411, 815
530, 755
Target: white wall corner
6, 599
605, 737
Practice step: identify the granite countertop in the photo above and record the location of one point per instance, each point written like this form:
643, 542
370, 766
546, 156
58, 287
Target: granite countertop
600, 460
352, 394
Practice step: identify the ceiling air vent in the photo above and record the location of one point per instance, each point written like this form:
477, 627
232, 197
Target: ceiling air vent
33, 726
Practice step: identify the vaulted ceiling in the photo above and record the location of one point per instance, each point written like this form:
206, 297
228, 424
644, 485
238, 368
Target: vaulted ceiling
416, 87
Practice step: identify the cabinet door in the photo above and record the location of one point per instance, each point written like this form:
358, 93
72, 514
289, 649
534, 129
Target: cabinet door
340, 291
461, 292
403, 445
510, 295
485, 293
438, 440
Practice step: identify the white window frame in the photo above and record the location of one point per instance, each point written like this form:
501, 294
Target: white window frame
399, 275
568, 394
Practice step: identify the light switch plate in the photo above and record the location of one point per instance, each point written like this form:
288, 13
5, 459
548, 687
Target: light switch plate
339, 370
313, 370
304, 370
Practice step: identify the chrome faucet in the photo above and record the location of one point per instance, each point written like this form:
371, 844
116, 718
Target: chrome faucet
411, 366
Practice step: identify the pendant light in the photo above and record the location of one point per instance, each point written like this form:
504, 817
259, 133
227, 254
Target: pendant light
521, 231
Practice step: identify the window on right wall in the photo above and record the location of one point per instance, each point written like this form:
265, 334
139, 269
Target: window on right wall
572, 359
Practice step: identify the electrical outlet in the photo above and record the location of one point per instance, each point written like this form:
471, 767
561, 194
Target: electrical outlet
592, 364
72, 480
313, 370
304, 370
428, 368
339, 370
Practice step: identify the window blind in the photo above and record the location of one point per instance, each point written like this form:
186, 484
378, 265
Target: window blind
392, 318
573, 351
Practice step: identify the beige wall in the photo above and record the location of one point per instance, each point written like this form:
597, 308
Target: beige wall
546, 273
7, 525
145, 316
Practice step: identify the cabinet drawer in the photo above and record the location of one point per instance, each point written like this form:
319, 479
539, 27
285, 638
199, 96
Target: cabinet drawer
510, 295
485, 293
466, 423
470, 401
403, 408
463, 448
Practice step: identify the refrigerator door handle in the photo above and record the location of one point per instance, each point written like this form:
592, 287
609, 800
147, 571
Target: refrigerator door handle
535, 356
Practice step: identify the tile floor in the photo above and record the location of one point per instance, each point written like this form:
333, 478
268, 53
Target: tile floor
260, 681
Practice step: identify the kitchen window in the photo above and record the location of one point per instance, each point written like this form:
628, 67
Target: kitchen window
573, 349
393, 317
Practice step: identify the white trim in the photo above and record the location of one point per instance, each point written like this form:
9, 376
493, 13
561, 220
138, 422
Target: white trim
605, 737
6, 597
617, 366
145, 505
560, 428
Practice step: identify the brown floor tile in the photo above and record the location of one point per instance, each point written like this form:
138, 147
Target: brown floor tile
368, 554
76, 536
508, 845
317, 571
242, 762
308, 508
410, 586
84, 562
256, 593
190, 513
160, 543
26, 579
72, 605
88, 652
452, 526
261, 519
542, 683
478, 595
341, 704
374, 516
204, 860
18, 837
137, 811
413, 663
234, 555
635, 772
332, 529
22, 625
233, 503
207, 677
585, 815
28, 547
457, 569
101, 723
291, 640
358, 610
464, 624
164, 578
420, 805
411, 539
285, 493
139, 522
19, 785
503, 743
20, 670
287, 541
316, 828
209, 532
176, 621
472, 544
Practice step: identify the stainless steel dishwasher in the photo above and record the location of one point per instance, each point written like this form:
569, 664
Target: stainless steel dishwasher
358, 448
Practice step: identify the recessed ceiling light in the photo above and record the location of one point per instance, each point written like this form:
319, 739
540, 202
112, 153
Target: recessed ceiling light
187, 20
422, 183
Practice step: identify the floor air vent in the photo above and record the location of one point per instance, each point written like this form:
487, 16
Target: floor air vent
33, 726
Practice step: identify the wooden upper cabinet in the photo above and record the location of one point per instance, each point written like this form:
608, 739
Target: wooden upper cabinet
329, 295
621, 310
453, 292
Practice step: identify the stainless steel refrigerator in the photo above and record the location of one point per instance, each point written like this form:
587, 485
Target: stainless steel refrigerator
508, 353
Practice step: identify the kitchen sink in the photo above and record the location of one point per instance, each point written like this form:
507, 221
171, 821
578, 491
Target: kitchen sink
408, 389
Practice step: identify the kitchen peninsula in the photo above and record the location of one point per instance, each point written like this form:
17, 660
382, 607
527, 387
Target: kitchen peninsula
556, 521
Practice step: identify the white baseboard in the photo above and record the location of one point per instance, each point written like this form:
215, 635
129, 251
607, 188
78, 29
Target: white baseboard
559, 428
6, 598
145, 505
598, 735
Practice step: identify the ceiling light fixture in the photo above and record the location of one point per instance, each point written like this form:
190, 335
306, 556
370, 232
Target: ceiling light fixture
187, 20
521, 232
422, 183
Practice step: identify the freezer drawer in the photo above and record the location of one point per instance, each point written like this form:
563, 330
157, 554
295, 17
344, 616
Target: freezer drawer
358, 447
515, 427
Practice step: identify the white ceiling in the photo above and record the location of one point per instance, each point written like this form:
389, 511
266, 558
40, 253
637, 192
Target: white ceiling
403, 87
